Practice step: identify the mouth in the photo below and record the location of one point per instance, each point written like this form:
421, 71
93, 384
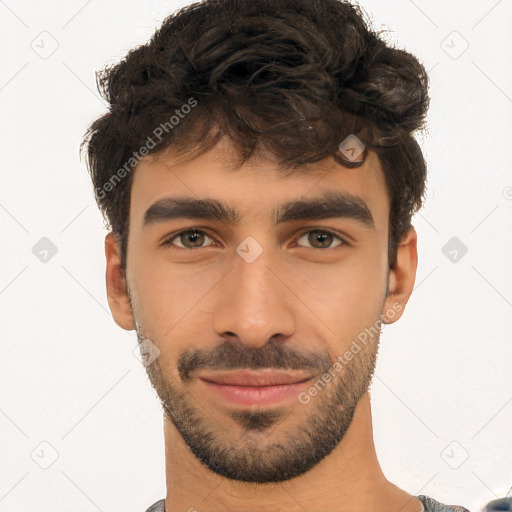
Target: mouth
248, 387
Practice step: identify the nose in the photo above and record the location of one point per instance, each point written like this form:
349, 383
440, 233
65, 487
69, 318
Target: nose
253, 303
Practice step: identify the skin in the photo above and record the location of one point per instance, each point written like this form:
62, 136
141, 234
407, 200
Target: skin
295, 295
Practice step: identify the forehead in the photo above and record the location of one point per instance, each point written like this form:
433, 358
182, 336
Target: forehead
257, 187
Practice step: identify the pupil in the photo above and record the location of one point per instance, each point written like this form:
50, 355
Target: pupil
193, 236
318, 237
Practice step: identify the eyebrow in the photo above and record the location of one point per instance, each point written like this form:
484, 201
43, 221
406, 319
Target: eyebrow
329, 205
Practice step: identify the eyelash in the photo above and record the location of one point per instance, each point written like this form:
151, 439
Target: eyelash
169, 241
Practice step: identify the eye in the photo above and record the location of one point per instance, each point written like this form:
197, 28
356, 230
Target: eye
196, 238
189, 239
321, 239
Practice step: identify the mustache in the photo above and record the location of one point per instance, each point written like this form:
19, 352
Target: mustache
235, 356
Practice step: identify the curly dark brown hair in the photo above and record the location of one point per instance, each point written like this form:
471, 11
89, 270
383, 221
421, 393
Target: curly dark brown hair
286, 78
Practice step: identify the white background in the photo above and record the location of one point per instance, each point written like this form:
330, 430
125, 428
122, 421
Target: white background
442, 394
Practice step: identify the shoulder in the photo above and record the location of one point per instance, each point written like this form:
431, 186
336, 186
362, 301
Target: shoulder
159, 506
501, 504
432, 505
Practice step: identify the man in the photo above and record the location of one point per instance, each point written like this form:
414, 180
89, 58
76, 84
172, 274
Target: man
258, 172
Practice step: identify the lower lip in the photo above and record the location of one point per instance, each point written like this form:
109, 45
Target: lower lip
265, 395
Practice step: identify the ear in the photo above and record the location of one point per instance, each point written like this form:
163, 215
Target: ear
117, 290
401, 278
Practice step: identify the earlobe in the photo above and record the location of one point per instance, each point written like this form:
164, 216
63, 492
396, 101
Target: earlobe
117, 290
401, 278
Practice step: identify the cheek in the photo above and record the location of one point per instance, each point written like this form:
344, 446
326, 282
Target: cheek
170, 297
348, 295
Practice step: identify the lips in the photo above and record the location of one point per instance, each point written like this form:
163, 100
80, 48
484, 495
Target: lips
251, 378
249, 388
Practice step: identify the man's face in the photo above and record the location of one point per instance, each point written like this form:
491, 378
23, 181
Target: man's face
262, 297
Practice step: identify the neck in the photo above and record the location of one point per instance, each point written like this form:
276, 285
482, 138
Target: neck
348, 479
